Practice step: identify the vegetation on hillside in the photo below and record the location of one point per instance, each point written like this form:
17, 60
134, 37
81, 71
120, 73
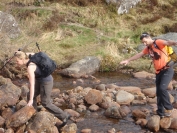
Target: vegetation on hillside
68, 31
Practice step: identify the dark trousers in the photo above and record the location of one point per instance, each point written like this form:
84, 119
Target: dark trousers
162, 81
44, 89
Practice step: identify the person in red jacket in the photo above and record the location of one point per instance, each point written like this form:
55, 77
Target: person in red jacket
164, 71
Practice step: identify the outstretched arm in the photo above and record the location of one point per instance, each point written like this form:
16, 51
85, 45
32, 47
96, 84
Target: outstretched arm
137, 56
170, 43
31, 68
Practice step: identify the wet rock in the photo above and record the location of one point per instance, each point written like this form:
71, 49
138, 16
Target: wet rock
122, 100
111, 130
165, 122
111, 86
153, 123
10, 130
88, 65
85, 91
20, 117
152, 100
2, 121
24, 92
143, 74
71, 128
141, 122
113, 112
173, 123
174, 113
94, 97
137, 113
106, 102
31, 131
172, 99
149, 92
78, 89
73, 113
101, 87
6, 113
9, 93
94, 107
80, 81
131, 89
139, 102
21, 104
86, 131
42, 122
21, 129
55, 93
124, 110
81, 108
59, 100
170, 86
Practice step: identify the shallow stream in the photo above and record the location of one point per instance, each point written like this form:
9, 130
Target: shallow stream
96, 121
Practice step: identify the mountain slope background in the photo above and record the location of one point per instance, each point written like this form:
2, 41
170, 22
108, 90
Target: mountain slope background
71, 30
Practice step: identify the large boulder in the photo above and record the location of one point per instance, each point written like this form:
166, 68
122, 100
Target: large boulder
123, 6
94, 97
153, 123
42, 122
86, 66
9, 26
9, 93
124, 98
20, 117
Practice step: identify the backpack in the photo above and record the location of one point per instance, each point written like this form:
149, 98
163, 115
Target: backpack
44, 62
170, 52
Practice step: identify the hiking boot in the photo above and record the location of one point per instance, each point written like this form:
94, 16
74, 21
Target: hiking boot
162, 115
64, 122
165, 115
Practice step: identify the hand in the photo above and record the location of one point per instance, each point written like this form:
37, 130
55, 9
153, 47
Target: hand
125, 62
30, 103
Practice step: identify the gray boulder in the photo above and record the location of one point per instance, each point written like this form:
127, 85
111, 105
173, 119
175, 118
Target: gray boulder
9, 93
123, 6
88, 65
8, 25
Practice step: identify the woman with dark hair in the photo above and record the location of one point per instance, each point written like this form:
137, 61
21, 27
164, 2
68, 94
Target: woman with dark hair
164, 71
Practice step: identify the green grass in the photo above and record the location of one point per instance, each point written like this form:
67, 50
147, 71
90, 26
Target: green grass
92, 30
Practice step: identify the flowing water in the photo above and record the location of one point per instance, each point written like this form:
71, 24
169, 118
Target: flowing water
96, 121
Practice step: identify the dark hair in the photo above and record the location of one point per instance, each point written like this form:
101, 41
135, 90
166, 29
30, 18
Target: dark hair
143, 35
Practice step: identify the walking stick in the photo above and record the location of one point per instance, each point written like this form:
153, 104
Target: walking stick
38, 47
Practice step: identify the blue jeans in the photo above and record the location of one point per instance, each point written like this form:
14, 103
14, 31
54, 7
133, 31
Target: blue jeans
163, 79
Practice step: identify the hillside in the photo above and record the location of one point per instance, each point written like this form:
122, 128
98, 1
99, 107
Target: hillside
69, 31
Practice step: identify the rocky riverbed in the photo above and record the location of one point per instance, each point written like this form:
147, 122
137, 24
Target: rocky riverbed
99, 107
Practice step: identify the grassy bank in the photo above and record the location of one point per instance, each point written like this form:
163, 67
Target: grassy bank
70, 32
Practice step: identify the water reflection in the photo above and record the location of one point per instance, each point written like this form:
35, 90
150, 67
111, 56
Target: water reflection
120, 79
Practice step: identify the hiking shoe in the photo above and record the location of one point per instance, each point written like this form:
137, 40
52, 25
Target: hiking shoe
165, 115
64, 122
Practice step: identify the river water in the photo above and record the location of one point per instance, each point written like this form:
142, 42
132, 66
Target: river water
96, 121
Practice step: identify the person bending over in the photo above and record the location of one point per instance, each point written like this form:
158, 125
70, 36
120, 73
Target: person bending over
40, 85
164, 71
